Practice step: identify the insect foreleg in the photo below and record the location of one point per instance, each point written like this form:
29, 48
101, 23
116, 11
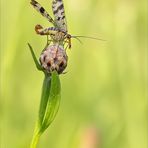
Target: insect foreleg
39, 30
45, 31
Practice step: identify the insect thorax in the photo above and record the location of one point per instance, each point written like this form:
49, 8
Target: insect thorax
58, 36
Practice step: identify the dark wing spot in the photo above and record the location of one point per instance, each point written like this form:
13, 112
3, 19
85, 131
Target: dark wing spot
55, 11
59, 8
58, 18
63, 17
33, 2
42, 10
62, 13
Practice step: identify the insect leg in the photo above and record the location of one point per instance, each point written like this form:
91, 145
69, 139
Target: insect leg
45, 31
40, 30
48, 40
69, 42
67, 46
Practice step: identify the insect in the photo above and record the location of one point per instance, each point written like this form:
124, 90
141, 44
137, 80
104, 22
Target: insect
54, 57
59, 32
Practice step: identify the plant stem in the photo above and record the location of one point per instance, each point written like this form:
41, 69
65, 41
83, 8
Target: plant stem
35, 138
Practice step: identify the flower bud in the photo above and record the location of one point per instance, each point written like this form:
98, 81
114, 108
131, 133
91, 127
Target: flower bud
54, 57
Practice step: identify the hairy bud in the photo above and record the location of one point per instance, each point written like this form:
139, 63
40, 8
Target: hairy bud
54, 57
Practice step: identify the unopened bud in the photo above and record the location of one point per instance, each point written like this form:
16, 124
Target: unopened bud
54, 57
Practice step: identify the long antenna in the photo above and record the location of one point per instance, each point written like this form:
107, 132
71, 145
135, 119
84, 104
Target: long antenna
79, 36
77, 39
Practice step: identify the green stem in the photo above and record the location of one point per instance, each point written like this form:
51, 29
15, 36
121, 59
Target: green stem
35, 141
35, 138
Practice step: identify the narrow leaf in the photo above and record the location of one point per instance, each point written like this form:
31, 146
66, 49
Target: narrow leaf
44, 97
38, 66
53, 101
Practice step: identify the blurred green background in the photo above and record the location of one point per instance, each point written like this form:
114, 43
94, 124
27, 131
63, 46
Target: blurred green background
104, 91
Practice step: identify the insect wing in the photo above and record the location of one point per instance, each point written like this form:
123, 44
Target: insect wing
42, 11
59, 15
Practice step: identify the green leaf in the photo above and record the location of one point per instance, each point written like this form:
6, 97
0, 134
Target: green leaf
49, 105
53, 101
44, 97
38, 66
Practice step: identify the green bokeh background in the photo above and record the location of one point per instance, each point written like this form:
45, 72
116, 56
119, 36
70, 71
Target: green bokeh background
104, 90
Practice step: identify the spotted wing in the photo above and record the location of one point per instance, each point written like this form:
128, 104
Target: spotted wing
42, 11
59, 15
